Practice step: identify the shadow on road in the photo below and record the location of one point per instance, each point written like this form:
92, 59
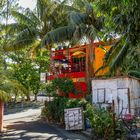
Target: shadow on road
32, 130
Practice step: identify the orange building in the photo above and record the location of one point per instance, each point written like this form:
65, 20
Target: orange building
73, 63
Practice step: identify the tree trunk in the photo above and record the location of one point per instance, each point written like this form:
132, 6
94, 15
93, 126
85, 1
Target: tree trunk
52, 65
28, 97
1, 115
35, 97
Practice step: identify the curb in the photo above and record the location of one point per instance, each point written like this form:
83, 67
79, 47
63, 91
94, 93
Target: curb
87, 133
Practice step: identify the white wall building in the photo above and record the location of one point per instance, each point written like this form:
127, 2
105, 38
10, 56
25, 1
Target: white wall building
125, 92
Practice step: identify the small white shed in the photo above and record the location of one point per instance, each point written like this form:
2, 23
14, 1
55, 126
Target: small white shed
125, 91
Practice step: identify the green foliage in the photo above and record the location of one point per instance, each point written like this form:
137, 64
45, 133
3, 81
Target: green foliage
64, 85
27, 70
54, 110
134, 73
32, 26
102, 123
4, 96
81, 22
76, 103
121, 19
50, 90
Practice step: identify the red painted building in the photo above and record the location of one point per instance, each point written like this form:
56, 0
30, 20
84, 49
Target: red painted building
72, 63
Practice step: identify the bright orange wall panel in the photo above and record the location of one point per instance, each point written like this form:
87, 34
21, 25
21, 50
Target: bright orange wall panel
99, 56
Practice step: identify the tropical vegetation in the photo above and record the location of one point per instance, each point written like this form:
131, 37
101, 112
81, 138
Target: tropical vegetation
25, 47
121, 20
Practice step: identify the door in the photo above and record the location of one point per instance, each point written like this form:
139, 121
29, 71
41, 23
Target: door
123, 101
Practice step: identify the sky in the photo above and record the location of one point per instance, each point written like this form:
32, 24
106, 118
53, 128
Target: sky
27, 3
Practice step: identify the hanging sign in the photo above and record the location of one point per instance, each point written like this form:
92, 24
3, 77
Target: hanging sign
43, 77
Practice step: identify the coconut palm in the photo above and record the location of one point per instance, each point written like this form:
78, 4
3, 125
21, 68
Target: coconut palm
81, 23
62, 22
31, 26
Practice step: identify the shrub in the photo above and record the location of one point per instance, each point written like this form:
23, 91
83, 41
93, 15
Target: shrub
54, 110
102, 123
51, 90
64, 85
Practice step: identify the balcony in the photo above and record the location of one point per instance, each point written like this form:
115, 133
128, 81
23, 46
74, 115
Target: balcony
69, 72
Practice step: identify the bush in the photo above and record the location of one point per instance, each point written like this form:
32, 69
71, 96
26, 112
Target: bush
102, 123
51, 90
54, 110
63, 85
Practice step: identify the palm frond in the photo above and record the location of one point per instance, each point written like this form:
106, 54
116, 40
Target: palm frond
67, 8
92, 32
22, 19
117, 61
134, 73
18, 44
100, 68
4, 96
33, 17
78, 18
17, 87
59, 35
80, 4
12, 28
22, 39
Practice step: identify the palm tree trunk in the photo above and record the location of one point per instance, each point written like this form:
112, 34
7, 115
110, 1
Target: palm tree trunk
52, 65
1, 115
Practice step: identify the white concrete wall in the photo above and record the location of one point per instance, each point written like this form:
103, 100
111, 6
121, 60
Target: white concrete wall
117, 89
135, 94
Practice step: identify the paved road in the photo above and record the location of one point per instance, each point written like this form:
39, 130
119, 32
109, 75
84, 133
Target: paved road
28, 126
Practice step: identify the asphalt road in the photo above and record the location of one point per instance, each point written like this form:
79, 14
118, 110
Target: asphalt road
28, 126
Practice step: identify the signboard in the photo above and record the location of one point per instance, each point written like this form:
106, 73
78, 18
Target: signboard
43, 77
74, 119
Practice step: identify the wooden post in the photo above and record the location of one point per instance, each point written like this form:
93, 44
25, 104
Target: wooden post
90, 52
129, 103
113, 117
1, 115
87, 64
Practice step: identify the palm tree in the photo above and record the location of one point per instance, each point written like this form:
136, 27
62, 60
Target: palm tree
48, 26
32, 26
81, 23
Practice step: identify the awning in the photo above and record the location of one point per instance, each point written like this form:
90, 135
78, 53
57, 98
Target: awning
78, 54
59, 57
